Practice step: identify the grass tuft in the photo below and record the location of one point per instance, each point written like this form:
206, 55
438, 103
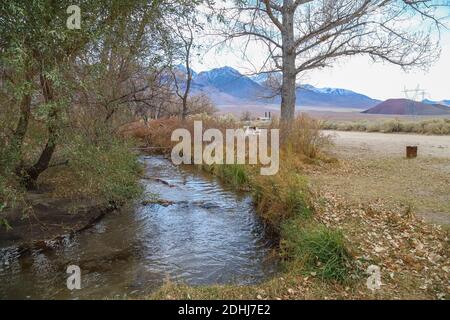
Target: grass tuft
316, 248
233, 174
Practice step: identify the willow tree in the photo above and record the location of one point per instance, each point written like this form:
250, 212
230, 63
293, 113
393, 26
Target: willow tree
302, 35
36, 47
37, 54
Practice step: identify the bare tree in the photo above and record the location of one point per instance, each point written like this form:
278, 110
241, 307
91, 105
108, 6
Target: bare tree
246, 116
185, 26
185, 34
302, 35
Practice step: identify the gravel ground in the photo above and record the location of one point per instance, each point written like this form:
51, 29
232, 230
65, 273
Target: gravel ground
370, 144
373, 166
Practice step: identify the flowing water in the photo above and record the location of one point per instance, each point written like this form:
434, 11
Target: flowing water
208, 235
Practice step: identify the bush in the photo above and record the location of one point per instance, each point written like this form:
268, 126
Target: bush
304, 137
107, 171
295, 199
390, 126
439, 127
408, 126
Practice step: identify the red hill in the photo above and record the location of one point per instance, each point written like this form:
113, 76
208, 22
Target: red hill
408, 107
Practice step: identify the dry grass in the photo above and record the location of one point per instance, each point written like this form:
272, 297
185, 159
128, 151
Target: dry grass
327, 240
429, 126
157, 134
303, 137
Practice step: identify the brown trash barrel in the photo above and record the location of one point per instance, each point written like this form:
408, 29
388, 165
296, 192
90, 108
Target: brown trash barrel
411, 152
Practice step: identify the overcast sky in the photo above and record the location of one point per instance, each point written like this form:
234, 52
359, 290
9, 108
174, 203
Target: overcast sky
377, 80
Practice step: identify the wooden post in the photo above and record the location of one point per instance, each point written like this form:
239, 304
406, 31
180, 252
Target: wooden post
411, 152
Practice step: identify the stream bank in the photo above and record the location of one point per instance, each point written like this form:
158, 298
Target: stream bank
47, 218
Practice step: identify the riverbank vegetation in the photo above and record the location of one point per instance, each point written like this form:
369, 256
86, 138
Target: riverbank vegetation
65, 93
425, 126
327, 243
306, 246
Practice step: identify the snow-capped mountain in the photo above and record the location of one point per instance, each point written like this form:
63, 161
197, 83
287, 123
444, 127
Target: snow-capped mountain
227, 86
231, 82
262, 78
333, 91
308, 95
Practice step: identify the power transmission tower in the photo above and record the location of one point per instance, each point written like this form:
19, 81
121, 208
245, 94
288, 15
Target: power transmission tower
413, 95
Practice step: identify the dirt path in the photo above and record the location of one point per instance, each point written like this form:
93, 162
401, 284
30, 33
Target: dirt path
373, 167
382, 144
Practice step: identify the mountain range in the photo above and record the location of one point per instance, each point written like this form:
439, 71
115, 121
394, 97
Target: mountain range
228, 87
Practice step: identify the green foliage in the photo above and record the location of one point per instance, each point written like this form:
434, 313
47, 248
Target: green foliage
295, 199
107, 170
306, 245
316, 248
281, 197
11, 191
233, 174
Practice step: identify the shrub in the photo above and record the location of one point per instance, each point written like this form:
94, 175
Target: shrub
373, 127
316, 248
429, 126
440, 127
107, 171
304, 137
295, 198
390, 126
408, 126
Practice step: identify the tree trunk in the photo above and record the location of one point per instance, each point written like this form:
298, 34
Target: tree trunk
188, 46
22, 125
186, 94
32, 173
288, 96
